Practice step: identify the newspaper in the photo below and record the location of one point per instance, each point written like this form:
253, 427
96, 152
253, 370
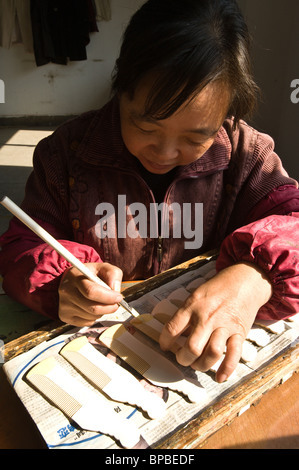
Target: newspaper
61, 433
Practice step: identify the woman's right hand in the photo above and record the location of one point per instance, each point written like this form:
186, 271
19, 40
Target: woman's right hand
81, 301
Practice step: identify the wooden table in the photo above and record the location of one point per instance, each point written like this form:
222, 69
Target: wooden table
271, 422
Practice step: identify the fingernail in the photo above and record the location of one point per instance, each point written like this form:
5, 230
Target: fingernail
222, 378
117, 286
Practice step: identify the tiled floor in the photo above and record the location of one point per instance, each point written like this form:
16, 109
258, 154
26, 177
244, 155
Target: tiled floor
16, 151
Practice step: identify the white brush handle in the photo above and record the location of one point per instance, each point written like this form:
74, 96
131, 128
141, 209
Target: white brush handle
46, 237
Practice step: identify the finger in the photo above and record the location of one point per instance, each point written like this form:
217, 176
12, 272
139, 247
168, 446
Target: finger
174, 328
96, 293
92, 310
81, 307
72, 314
80, 322
231, 359
194, 346
79, 317
112, 275
213, 350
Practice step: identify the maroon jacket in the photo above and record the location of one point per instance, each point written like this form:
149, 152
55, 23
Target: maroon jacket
250, 211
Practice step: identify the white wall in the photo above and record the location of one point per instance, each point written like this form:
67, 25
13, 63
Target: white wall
54, 90
61, 90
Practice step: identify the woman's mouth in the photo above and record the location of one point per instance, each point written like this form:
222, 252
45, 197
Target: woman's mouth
153, 166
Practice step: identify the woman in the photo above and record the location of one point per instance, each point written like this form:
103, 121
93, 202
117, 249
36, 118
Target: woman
172, 134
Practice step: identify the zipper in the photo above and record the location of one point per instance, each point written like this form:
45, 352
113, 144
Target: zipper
158, 256
159, 245
159, 251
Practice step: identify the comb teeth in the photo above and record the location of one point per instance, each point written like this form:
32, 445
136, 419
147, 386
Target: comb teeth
129, 356
160, 371
55, 394
143, 323
163, 317
178, 296
152, 328
87, 368
164, 307
141, 357
193, 285
114, 381
90, 410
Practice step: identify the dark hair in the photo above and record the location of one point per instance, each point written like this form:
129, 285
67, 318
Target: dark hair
189, 44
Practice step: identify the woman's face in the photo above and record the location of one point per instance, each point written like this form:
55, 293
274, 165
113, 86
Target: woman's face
161, 145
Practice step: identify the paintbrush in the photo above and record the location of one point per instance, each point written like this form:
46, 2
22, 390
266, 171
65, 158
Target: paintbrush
90, 410
44, 235
109, 377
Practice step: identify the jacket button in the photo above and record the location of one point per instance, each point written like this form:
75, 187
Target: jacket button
76, 224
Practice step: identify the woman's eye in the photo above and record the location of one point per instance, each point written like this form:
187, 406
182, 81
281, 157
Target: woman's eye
194, 144
145, 131
141, 129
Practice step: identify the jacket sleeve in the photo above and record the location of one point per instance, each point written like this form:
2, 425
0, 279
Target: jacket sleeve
270, 240
31, 269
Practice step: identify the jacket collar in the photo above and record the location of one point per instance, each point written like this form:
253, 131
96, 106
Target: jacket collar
102, 144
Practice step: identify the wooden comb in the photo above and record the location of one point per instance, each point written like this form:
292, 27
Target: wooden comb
89, 410
111, 378
150, 364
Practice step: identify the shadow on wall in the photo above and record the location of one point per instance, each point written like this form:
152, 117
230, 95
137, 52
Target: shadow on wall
2, 92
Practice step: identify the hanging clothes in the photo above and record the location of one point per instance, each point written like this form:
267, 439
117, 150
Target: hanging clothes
61, 29
103, 10
15, 24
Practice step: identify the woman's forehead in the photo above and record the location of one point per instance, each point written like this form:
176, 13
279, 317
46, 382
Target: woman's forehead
210, 106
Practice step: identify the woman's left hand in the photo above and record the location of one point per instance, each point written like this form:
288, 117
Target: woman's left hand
218, 317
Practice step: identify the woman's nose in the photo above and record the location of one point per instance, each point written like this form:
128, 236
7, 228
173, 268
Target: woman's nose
166, 151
